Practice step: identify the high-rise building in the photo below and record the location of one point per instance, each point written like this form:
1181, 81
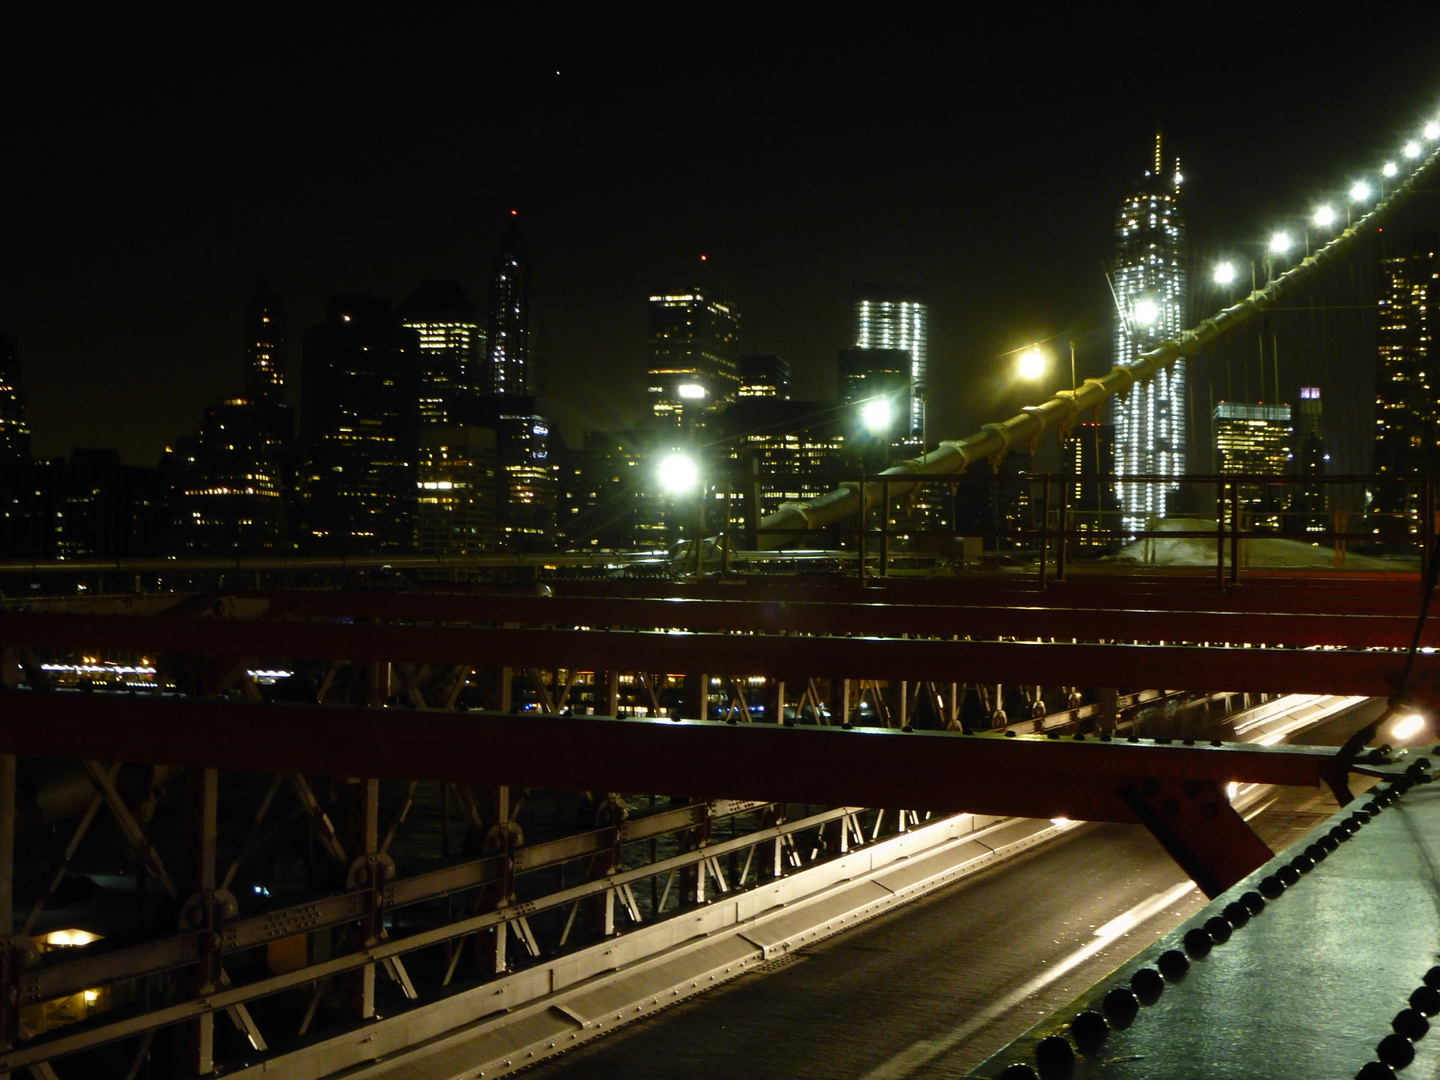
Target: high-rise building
1152, 300
1309, 501
1255, 440
227, 494
508, 341
265, 363
694, 343
360, 427
888, 317
1407, 405
1090, 503
14, 431
764, 377
865, 375
456, 490
452, 344
526, 496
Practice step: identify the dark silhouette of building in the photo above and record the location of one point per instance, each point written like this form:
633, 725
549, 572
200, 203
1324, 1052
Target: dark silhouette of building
452, 348
1091, 506
228, 492
1407, 406
92, 506
360, 430
508, 340
14, 431
1309, 502
265, 327
764, 377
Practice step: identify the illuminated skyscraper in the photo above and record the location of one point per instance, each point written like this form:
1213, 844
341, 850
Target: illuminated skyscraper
451, 344
1255, 439
1152, 301
694, 342
1407, 405
265, 363
764, 377
508, 344
14, 432
887, 317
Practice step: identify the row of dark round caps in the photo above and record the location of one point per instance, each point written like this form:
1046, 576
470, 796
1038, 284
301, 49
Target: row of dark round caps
1397, 1050
1055, 1054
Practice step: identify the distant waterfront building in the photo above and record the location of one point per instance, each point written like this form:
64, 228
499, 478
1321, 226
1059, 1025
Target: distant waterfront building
14, 431
90, 506
508, 340
452, 345
764, 377
889, 317
360, 427
1407, 404
1152, 298
1254, 439
265, 326
694, 344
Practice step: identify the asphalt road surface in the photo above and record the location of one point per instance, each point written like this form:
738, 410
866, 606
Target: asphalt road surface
932, 989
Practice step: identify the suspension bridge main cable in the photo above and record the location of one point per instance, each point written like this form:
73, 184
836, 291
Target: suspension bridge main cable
793, 520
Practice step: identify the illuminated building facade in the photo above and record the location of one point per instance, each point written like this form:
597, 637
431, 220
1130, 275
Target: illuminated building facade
1407, 405
887, 317
527, 487
694, 343
456, 485
1091, 502
1152, 299
507, 370
778, 451
360, 428
14, 431
620, 506
1309, 502
265, 325
1255, 440
764, 377
227, 494
452, 344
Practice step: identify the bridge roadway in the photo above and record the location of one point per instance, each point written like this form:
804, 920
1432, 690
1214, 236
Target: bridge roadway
931, 990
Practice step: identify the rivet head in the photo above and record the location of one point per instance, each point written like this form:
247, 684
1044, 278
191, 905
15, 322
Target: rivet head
1019, 1071
1288, 874
1253, 901
1236, 914
1148, 985
1089, 1030
1432, 977
1271, 887
1426, 999
1411, 1024
1054, 1056
1395, 1051
1173, 964
1121, 1005
1303, 863
1376, 1070
1219, 929
1197, 942
1316, 853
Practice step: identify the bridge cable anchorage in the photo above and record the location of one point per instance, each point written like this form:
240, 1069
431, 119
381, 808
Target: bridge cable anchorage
1404, 697
793, 520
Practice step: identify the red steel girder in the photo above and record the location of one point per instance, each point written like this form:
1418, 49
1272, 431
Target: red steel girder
1358, 673
1029, 776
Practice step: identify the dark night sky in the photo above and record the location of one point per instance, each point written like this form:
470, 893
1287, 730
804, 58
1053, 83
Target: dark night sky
154, 168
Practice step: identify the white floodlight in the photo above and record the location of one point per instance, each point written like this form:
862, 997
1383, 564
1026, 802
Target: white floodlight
1360, 191
1225, 273
1280, 243
877, 415
1412, 150
678, 474
1146, 312
1324, 215
1390, 168
1031, 364
690, 391
1432, 131
1407, 727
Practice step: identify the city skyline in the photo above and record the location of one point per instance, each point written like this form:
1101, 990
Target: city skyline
122, 281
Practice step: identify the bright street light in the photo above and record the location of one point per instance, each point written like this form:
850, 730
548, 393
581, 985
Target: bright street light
1031, 364
1146, 312
1225, 273
1407, 727
1390, 168
877, 415
1324, 215
1412, 150
1432, 130
690, 391
678, 474
1280, 243
1359, 191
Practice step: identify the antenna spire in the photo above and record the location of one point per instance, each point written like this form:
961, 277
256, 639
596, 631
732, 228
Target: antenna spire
1157, 150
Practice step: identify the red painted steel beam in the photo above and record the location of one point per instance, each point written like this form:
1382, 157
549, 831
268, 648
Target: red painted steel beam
1025, 776
874, 617
1367, 674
